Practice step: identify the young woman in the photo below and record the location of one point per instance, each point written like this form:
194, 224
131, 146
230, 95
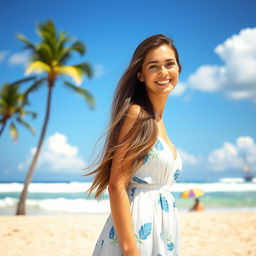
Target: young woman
139, 163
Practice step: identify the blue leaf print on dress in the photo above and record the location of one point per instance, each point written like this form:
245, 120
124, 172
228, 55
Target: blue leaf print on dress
145, 159
170, 246
102, 242
159, 254
138, 180
111, 233
164, 203
159, 145
177, 174
112, 237
174, 204
154, 153
132, 191
145, 231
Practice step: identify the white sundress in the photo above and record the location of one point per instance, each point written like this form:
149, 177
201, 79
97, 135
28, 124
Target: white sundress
154, 214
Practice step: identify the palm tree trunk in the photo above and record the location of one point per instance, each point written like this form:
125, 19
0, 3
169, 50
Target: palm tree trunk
2, 128
23, 195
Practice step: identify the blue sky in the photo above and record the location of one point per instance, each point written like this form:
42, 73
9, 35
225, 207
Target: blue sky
210, 117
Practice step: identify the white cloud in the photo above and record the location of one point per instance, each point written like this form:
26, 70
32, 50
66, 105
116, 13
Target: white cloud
99, 70
230, 156
207, 78
179, 89
188, 158
245, 142
3, 54
57, 155
19, 59
237, 76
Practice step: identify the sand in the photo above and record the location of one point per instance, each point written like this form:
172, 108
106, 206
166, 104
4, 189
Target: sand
202, 234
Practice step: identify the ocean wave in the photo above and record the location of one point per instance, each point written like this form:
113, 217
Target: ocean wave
82, 206
60, 205
231, 185
72, 187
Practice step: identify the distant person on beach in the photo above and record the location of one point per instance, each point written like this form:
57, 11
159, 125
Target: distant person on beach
139, 163
197, 207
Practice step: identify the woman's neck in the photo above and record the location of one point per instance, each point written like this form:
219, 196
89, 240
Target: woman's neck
158, 102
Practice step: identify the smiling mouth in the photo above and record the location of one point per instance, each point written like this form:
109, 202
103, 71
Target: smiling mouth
163, 82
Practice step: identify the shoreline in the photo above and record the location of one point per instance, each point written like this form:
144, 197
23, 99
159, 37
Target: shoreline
11, 212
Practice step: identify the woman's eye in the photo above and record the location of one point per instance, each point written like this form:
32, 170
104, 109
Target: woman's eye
153, 66
170, 64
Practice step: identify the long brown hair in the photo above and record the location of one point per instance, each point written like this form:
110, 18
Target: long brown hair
143, 134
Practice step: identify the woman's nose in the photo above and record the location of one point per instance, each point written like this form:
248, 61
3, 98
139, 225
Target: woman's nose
163, 71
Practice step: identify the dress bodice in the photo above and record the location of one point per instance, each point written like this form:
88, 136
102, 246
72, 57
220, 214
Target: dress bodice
159, 166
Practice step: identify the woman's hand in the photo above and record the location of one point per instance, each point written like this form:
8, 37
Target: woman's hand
131, 253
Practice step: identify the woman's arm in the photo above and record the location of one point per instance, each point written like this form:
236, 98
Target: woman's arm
119, 201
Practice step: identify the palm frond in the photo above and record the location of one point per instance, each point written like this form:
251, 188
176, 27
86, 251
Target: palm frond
45, 53
10, 96
14, 132
86, 94
63, 39
35, 86
78, 46
37, 67
46, 29
75, 73
2, 102
32, 113
65, 52
86, 68
64, 55
49, 36
4, 93
28, 44
21, 81
21, 111
24, 123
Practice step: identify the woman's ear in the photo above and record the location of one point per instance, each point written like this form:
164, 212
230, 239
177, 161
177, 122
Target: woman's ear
140, 76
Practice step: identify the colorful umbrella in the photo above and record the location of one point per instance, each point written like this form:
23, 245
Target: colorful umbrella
193, 192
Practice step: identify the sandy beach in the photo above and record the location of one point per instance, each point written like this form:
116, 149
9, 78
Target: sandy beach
202, 233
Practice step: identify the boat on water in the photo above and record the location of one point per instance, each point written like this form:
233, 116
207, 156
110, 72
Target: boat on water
248, 172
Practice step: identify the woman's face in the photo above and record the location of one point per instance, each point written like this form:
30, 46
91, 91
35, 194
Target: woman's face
160, 71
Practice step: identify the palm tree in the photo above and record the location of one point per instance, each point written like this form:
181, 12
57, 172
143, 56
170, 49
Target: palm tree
12, 108
49, 58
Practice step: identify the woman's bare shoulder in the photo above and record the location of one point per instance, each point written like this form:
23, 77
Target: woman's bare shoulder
134, 110
130, 119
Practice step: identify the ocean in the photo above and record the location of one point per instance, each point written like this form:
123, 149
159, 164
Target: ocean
230, 194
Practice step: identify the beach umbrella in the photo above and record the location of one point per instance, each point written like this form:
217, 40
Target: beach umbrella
193, 192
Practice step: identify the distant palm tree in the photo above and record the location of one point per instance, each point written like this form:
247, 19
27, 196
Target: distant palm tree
12, 107
49, 58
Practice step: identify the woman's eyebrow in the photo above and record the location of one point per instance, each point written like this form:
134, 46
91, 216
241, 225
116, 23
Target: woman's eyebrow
155, 61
